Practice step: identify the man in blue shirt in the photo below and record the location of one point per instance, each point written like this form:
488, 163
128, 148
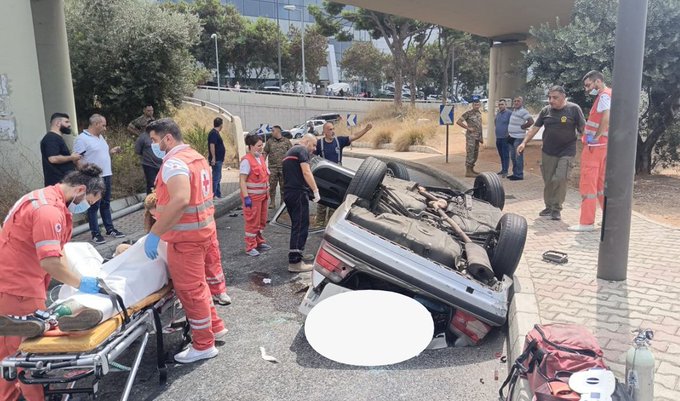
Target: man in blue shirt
502, 121
330, 148
216, 153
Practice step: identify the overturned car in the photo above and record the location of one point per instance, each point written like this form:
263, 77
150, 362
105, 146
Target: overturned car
452, 250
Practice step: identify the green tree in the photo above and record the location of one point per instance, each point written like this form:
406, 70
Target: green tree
415, 65
363, 60
563, 54
262, 38
333, 19
126, 53
316, 52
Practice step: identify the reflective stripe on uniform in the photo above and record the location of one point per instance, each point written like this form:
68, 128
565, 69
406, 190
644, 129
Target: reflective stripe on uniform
257, 191
250, 234
200, 324
48, 242
41, 195
193, 226
589, 196
257, 184
192, 209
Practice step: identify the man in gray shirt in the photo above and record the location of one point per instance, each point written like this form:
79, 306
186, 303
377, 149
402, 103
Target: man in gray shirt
562, 120
520, 120
150, 163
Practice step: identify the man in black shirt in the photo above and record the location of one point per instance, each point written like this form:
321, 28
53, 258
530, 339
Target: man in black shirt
216, 152
57, 159
298, 181
562, 121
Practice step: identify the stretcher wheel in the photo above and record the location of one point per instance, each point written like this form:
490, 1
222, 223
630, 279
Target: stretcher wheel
9, 374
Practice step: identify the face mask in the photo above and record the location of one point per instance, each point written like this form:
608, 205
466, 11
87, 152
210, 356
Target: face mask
593, 92
257, 154
156, 148
65, 130
80, 207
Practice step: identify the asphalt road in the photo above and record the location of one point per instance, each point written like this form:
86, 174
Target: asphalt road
265, 315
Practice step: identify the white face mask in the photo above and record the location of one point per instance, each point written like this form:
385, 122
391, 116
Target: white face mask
156, 148
593, 92
80, 207
257, 154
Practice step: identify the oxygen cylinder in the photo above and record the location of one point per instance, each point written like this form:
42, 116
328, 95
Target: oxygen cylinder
640, 367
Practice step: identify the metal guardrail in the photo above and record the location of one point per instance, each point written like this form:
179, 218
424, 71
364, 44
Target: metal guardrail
291, 94
212, 106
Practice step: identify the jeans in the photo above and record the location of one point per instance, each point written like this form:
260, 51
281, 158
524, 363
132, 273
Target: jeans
503, 152
297, 203
517, 158
104, 207
217, 178
150, 174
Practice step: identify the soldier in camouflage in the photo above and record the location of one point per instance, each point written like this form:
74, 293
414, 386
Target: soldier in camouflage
471, 121
275, 150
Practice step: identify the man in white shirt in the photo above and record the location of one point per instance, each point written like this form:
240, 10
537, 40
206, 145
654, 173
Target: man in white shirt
93, 148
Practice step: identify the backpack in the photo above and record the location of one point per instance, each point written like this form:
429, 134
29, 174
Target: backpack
552, 352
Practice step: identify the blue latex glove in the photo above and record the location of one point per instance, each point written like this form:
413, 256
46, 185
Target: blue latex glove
248, 202
88, 285
591, 139
151, 246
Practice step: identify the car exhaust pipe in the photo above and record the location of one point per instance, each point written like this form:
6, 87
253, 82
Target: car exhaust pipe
479, 265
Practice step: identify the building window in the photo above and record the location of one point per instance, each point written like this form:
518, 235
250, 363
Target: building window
251, 8
267, 9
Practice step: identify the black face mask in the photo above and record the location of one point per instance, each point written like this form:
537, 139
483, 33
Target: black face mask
65, 130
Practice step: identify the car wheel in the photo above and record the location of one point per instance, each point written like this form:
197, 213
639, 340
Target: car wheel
488, 188
397, 170
506, 247
367, 179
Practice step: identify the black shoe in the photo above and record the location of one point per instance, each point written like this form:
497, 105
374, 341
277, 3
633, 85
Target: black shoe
115, 233
515, 178
85, 319
22, 326
545, 212
98, 239
556, 215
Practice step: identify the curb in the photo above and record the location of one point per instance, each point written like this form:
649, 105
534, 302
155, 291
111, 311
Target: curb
523, 313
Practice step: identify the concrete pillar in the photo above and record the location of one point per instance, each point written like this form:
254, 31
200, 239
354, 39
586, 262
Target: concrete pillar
506, 78
53, 58
21, 99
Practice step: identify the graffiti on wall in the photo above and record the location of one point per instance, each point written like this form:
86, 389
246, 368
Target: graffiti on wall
7, 121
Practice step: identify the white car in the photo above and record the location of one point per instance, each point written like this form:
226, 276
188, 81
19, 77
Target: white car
300, 130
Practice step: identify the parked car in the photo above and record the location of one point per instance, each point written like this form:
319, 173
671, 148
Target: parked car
388, 234
265, 135
331, 117
300, 130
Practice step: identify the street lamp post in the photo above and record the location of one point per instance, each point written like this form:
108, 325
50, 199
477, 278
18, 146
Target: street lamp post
217, 65
291, 7
278, 43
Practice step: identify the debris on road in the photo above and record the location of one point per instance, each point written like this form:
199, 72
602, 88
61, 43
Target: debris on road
267, 357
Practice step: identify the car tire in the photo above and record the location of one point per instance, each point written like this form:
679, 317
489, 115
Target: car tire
506, 247
397, 170
488, 187
367, 179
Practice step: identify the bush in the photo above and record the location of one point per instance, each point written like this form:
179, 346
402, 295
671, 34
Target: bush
412, 135
197, 137
381, 137
128, 176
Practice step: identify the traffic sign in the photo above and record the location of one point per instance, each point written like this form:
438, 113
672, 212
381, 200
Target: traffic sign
264, 129
351, 120
446, 114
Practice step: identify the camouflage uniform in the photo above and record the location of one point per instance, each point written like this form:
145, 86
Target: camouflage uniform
141, 122
473, 135
276, 150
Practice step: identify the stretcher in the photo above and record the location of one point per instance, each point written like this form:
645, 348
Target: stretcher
62, 364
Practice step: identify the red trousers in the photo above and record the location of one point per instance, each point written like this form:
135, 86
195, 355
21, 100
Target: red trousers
591, 183
214, 275
186, 264
256, 220
15, 305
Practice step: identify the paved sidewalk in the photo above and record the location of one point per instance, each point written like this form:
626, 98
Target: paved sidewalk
545, 292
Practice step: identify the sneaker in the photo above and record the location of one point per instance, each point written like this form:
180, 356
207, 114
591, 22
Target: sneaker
86, 319
545, 212
222, 299
502, 173
253, 252
515, 178
582, 228
191, 354
98, 239
299, 267
219, 336
264, 247
115, 233
556, 215
22, 326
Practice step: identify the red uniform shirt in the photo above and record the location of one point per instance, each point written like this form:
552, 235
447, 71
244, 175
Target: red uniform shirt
37, 227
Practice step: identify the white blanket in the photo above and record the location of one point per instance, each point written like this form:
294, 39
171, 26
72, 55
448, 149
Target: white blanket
131, 275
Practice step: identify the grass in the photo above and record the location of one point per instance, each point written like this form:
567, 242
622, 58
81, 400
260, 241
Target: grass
194, 119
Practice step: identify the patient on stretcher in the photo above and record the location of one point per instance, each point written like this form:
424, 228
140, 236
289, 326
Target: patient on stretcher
130, 275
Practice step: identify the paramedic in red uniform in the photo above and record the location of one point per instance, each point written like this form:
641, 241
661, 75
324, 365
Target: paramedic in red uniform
594, 153
254, 183
185, 220
31, 250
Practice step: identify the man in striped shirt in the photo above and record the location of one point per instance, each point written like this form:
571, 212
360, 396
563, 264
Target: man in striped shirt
520, 121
